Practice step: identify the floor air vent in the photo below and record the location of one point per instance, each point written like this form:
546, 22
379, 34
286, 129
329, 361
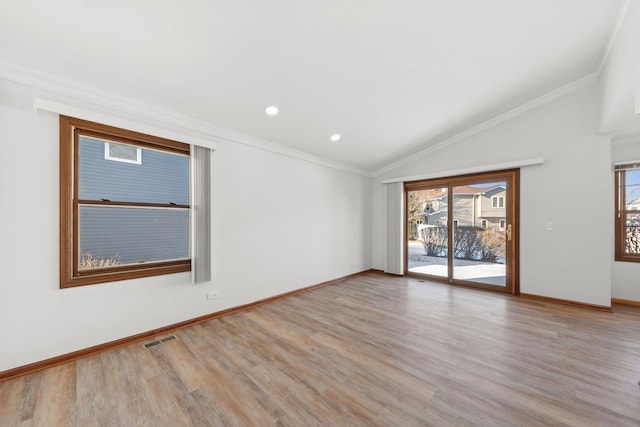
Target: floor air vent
160, 341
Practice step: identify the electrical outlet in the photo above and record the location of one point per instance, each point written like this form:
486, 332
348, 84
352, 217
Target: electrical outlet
213, 295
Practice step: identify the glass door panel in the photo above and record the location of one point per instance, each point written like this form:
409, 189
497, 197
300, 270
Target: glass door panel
464, 230
427, 232
479, 232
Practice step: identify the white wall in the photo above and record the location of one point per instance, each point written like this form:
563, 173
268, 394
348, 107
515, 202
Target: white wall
619, 83
619, 90
279, 224
572, 189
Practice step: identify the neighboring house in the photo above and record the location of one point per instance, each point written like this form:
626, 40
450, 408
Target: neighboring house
122, 173
491, 208
482, 207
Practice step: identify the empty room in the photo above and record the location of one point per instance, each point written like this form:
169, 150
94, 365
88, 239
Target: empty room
398, 213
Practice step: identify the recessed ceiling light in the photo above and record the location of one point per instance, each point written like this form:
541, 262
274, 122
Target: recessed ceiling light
271, 110
335, 137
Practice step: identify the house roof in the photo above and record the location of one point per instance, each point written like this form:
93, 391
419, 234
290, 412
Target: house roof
471, 190
462, 190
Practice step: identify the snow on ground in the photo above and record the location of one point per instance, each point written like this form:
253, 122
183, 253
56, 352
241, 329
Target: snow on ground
478, 271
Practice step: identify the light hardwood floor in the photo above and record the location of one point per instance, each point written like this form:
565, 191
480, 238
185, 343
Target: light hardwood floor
373, 350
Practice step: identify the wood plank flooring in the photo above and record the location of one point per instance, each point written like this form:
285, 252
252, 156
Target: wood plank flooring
373, 350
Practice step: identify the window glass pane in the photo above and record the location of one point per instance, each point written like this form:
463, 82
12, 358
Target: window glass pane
633, 233
632, 189
427, 235
121, 235
161, 177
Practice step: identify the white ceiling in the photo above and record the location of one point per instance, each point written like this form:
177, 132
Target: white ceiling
391, 76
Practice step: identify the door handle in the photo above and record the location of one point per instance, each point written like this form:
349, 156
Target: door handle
509, 232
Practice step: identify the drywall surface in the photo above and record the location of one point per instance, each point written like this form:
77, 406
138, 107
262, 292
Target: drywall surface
279, 224
572, 189
619, 83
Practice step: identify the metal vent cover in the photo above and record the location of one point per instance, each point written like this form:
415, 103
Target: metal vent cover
159, 341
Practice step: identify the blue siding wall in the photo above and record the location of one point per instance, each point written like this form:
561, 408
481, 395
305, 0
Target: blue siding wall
133, 235
161, 178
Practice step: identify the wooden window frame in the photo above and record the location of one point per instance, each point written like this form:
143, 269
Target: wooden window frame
621, 212
70, 131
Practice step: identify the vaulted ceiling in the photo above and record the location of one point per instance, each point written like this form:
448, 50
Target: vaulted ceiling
391, 77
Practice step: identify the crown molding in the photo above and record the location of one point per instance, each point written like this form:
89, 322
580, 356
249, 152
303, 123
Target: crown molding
493, 122
68, 95
626, 140
615, 28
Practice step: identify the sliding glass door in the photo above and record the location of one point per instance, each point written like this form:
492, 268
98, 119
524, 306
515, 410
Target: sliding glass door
463, 230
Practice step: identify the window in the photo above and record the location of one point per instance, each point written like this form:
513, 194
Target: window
122, 153
124, 204
483, 223
503, 224
497, 202
431, 206
627, 226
